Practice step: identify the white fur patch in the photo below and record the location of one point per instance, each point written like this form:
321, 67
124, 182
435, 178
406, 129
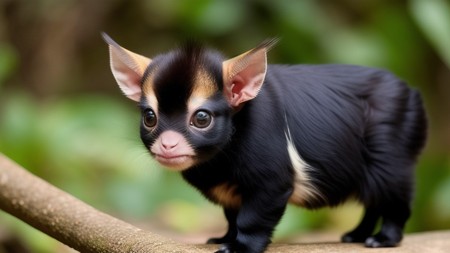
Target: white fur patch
304, 190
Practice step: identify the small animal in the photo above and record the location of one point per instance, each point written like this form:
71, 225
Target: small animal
254, 137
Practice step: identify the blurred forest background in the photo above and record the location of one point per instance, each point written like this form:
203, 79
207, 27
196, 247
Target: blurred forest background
63, 117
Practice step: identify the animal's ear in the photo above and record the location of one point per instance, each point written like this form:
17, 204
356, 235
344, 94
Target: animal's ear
127, 67
244, 74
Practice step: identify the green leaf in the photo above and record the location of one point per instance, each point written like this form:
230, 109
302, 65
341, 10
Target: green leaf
433, 18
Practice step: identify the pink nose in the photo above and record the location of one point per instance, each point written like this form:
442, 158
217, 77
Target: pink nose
169, 146
169, 140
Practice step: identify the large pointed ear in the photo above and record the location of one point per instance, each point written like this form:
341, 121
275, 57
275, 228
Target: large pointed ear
244, 74
127, 67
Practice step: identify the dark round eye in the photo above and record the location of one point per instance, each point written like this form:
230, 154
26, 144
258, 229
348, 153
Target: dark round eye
149, 118
201, 119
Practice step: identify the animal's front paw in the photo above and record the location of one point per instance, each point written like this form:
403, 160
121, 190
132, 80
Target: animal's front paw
226, 248
236, 247
214, 241
353, 237
220, 240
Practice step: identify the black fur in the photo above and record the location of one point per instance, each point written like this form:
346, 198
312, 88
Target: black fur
360, 129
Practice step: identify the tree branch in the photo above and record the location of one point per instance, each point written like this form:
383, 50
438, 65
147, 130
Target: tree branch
71, 221
87, 230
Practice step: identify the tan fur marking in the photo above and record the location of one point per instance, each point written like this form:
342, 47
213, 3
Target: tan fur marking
225, 194
149, 93
304, 190
204, 85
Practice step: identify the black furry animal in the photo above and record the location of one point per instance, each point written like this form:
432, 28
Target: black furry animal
253, 137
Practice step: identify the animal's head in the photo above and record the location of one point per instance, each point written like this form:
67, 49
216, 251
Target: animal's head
187, 97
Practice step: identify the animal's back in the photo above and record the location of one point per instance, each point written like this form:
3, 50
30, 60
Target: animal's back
359, 129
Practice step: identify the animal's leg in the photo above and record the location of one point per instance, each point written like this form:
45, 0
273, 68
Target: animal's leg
230, 236
365, 227
395, 214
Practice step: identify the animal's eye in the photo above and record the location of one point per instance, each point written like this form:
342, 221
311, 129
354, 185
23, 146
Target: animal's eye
149, 118
201, 119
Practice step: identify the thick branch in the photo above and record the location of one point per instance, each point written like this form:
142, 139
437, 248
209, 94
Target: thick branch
85, 229
71, 221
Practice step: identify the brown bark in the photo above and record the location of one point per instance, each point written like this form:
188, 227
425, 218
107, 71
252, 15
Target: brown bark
71, 221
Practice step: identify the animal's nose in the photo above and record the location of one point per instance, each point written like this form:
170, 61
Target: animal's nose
169, 140
168, 146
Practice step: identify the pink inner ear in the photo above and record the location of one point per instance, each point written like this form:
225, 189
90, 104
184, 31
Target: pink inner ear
237, 85
245, 88
237, 93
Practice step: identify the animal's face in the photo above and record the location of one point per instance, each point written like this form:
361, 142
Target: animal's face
181, 139
187, 97
185, 117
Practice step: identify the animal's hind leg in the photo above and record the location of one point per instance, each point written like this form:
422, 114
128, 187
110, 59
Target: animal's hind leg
365, 227
395, 215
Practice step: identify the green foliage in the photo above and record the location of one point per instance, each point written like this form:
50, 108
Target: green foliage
433, 17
